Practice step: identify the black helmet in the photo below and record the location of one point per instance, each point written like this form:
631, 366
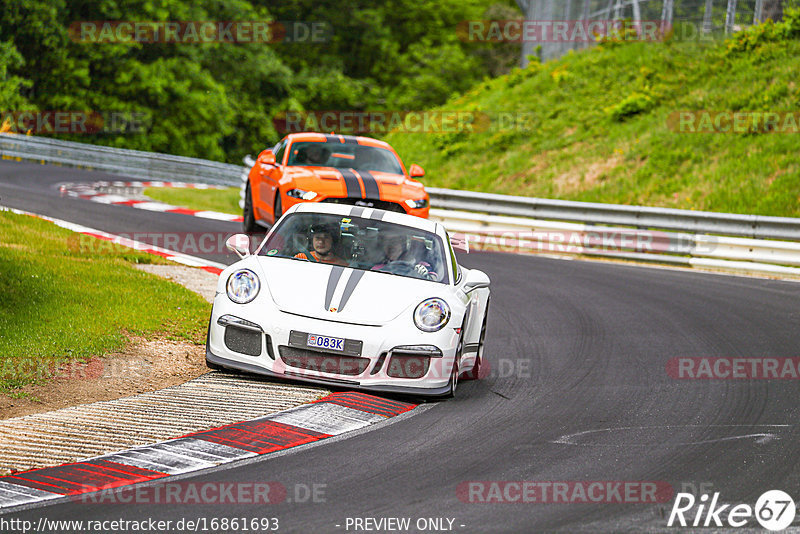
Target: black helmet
330, 229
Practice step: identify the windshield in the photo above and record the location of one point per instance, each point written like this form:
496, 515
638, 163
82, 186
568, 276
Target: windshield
343, 156
364, 244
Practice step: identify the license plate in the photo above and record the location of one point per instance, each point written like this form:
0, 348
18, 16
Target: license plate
325, 342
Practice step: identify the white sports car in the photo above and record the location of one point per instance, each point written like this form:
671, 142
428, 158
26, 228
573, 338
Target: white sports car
351, 297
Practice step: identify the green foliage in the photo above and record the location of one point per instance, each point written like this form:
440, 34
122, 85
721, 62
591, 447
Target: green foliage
603, 129
633, 104
759, 35
10, 85
217, 100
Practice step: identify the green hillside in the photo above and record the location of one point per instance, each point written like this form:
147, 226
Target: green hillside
598, 126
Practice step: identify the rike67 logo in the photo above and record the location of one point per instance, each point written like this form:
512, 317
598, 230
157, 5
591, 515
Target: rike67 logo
774, 510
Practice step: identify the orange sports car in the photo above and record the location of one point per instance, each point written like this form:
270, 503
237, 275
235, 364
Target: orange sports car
315, 167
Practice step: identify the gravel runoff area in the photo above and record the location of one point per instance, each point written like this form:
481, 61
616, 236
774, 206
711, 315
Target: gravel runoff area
152, 391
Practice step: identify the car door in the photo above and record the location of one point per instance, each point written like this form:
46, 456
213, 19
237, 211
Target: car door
269, 178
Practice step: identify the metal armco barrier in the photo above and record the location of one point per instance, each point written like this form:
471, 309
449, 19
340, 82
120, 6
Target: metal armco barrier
503, 222
532, 236
731, 224
128, 163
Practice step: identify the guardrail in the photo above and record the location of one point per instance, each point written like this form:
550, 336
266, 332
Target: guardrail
693, 238
558, 238
752, 226
128, 163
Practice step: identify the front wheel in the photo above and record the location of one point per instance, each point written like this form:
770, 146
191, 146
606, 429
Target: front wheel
451, 391
248, 219
476, 371
278, 207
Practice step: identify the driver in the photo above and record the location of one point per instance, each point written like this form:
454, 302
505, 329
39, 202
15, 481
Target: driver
398, 259
322, 243
317, 154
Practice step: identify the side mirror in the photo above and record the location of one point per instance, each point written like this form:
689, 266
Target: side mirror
240, 244
415, 171
266, 157
475, 280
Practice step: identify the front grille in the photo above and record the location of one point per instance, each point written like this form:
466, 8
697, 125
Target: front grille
408, 366
243, 341
323, 362
368, 203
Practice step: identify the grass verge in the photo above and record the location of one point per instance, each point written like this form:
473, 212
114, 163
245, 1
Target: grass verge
221, 200
599, 126
68, 297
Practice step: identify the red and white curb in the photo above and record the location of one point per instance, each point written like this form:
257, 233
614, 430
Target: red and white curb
329, 416
177, 257
89, 191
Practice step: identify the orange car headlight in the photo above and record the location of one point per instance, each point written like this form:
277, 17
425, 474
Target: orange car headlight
417, 204
301, 194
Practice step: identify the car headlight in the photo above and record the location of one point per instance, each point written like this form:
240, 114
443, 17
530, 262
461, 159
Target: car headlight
304, 195
243, 286
431, 315
417, 204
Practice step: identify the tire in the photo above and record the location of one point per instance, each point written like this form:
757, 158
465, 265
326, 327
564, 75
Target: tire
249, 219
451, 392
278, 207
476, 371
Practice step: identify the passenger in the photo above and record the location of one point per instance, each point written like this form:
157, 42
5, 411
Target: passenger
316, 154
399, 259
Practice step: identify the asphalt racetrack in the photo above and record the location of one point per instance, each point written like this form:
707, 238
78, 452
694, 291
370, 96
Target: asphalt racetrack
579, 391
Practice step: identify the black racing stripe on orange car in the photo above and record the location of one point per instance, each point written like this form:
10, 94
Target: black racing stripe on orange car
371, 189
352, 282
352, 183
333, 281
349, 140
333, 138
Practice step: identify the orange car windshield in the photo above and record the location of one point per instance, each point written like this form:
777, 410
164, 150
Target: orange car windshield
343, 156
